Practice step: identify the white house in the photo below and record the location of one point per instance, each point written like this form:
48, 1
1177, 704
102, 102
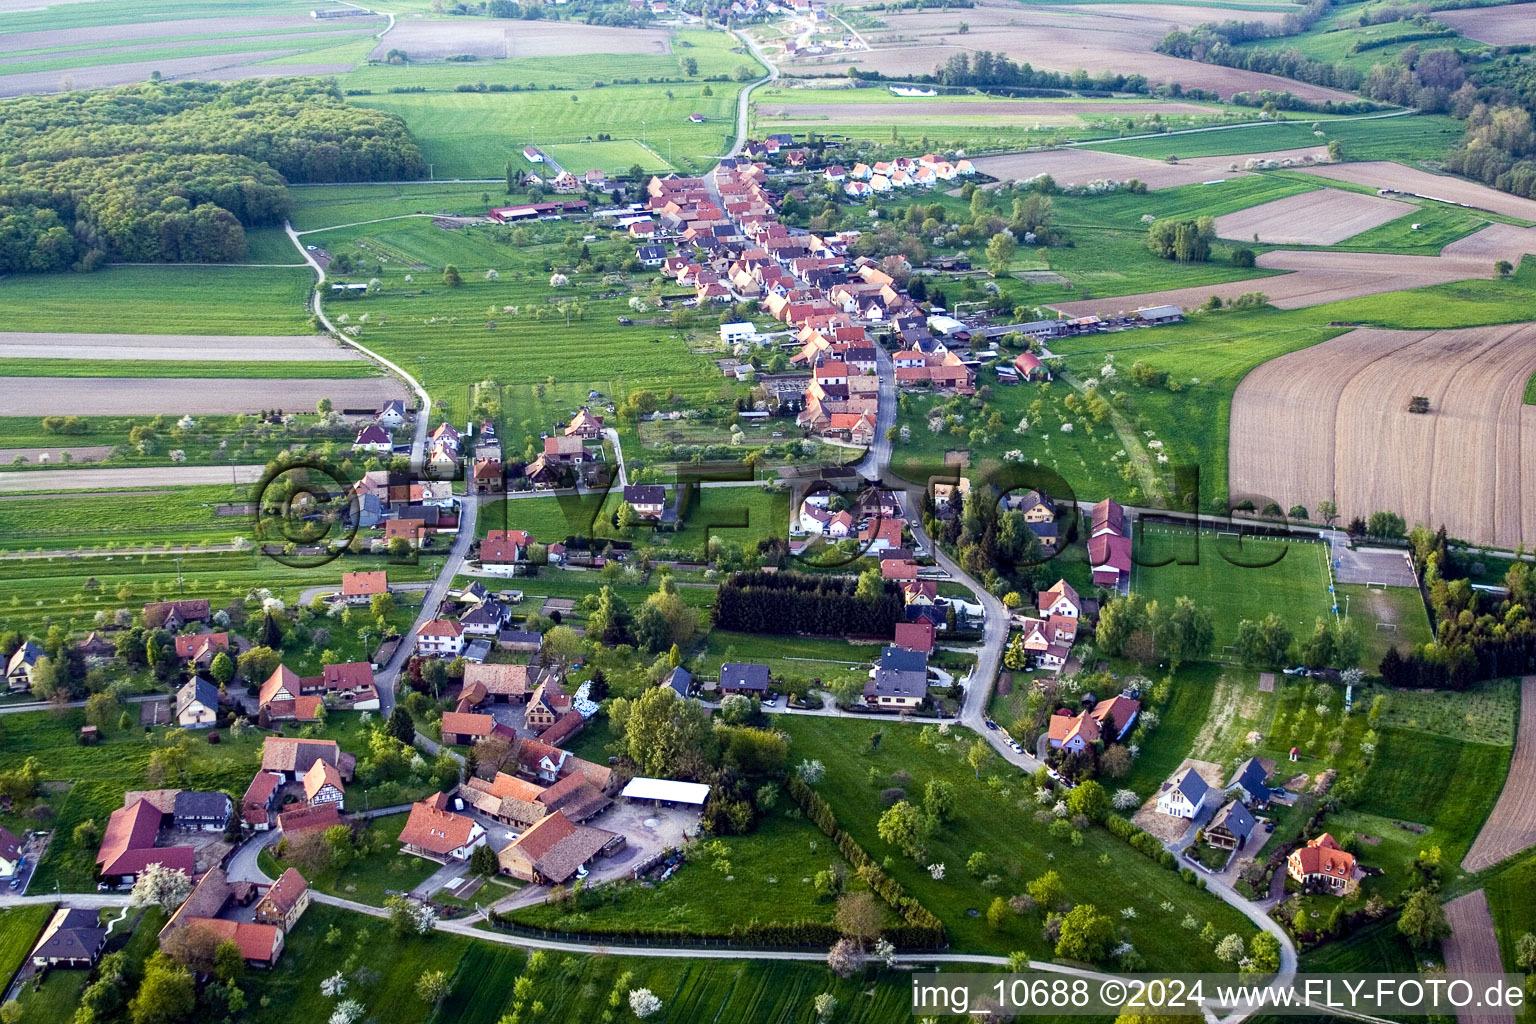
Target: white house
10, 853
322, 785
440, 638
1183, 795
1061, 599
730, 334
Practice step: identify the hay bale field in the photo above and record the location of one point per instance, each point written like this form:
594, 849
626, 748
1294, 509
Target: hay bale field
1332, 421
1511, 827
504, 37
117, 396
1385, 174
201, 348
1323, 217
1080, 166
1501, 26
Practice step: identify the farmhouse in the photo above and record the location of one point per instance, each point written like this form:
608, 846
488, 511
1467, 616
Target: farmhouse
201, 812
301, 818
282, 698
351, 682
1183, 795
96, 649
460, 728
1322, 865
128, 845
323, 785
291, 757
260, 795
205, 909
1229, 827
1159, 314
553, 850
548, 702
197, 650
172, 615
435, 833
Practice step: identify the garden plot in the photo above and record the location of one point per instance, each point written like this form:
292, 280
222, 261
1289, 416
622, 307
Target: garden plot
1512, 825
1382, 174
202, 348
1501, 26
1080, 166
1310, 424
115, 396
1323, 217
490, 37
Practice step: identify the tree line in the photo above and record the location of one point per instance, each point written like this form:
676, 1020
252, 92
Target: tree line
793, 602
176, 173
1478, 635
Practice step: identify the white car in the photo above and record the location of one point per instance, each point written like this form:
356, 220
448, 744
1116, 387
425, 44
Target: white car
1016, 748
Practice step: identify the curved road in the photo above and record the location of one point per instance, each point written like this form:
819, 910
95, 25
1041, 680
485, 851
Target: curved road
744, 101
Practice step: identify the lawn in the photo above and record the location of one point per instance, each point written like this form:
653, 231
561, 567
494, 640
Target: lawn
384, 969
1191, 705
997, 819
182, 515
615, 157
803, 656
161, 300
1453, 799
1406, 138
744, 515
370, 878
1238, 709
1511, 892
768, 879
325, 206
1530, 390
1373, 610
1234, 580
19, 929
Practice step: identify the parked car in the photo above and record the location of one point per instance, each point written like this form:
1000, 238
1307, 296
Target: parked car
1299, 670
1015, 745
991, 724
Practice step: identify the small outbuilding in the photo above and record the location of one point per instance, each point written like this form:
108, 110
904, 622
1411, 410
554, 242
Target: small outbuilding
667, 792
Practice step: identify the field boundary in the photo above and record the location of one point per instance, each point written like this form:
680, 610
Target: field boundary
1511, 826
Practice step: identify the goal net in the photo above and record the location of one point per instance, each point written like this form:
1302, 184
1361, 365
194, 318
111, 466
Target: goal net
1386, 627
1375, 586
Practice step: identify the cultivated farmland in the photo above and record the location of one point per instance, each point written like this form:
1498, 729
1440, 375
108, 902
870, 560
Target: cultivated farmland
1512, 825
1383, 174
1311, 425
46, 396
1473, 947
1501, 26
498, 37
202, 348
1080, 166
1323, 217
1100, 37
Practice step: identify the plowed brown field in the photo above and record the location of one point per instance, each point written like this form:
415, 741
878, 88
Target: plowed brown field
1331, 421
1385, 174
1473, 947
1500, 26
1512, 825
1325, 216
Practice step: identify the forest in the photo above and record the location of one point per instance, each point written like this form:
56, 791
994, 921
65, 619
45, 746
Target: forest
176, 172
791, 602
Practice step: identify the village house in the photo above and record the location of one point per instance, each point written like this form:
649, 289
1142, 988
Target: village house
128, 845
1109, 720
361, 587
349, 682
282, 698
197, 704
440, 638
172, 615
736, 677
1322, 865
323, 785
291, 757
260, 944
391, 415
96, 649
284, 902
74, 938
196, 651
1251, 783
648, 500
299, 818
201, 812
374, 438
435, 833
916, 636
1183, 795
460, 728
1230, 827
548, 703
585, 425
257, 803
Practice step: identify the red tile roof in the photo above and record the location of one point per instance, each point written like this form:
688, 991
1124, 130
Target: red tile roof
321, 774
439, 832
349, 675
357, 584
464, 724
192, 644
286, 892
307, 817
256, 941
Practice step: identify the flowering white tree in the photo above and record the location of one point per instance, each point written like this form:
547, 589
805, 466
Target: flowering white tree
846, 957
164, 887
885, 951
936, 872
491, 275
333, 986
347, 1011
643, 1002
1124, 799
812, 771
1231, 948
558, 280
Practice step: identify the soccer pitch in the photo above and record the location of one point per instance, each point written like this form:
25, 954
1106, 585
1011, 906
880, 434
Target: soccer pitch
1286, 576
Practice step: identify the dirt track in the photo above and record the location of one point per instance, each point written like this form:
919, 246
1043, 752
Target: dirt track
1384, 174
116, 396
1512, 825
1500, 26
1312, 425
1473, 947
202, 348
1324, 217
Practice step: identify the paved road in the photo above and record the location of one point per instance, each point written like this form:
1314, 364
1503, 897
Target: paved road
744, 101
386, 679
120, 479
43, 705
